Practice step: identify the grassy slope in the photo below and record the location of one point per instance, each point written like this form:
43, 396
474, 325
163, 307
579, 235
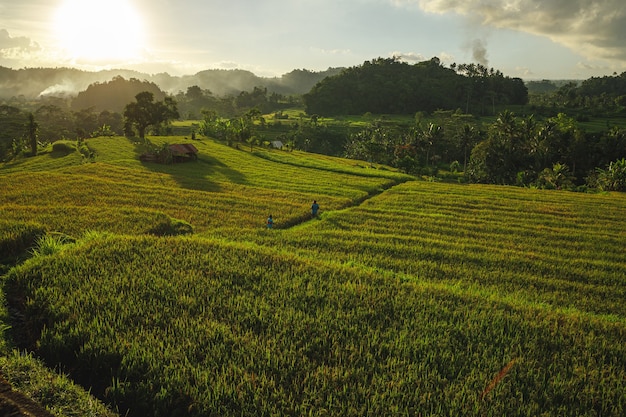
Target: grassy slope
410, 302
206, 194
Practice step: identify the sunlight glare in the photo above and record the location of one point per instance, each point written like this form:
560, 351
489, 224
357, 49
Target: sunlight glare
98, 31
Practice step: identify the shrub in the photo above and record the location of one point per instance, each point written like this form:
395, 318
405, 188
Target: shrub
559, 177
614, 177
84, 150
50, 244
65, 147
171, 227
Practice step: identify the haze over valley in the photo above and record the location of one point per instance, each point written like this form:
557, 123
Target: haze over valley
529, 39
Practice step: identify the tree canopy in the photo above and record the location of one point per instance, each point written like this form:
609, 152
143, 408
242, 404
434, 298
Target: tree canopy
146, 112
387, 85
115, 94
12, 129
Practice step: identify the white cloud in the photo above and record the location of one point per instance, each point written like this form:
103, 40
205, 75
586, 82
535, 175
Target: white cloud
15, 51
331, 51
20, 43
408, 56
446, 58
594, 29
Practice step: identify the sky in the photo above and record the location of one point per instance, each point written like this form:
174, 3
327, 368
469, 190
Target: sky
530, 39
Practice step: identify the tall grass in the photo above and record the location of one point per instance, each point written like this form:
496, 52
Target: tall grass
209, 327
402, 298
563, 249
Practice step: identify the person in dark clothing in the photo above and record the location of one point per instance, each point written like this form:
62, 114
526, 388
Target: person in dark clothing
314, 208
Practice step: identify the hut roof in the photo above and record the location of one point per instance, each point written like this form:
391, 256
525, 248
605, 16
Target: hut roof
183, 149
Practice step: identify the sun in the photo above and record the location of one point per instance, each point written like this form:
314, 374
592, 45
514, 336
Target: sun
99, 31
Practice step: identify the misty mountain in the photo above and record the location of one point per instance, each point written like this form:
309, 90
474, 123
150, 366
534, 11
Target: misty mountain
32, 83
114, 95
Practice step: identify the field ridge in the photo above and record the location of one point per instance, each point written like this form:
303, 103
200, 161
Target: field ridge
403, 297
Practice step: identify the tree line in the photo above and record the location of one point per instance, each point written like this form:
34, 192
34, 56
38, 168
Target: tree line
596, 96
546, 151
89, 114
53, 123
390, 86
513, 150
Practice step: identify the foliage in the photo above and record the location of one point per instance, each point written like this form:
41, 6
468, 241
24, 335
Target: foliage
49, 244
614, 177
526, 150
31, 131
557, 178
236, 129
114, 95
502, 155
404, 297
63, 146
146, 112
391, 86
55, 123
12, 131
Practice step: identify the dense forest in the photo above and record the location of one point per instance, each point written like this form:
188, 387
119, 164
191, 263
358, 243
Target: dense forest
114, 95
423, 119
389, 86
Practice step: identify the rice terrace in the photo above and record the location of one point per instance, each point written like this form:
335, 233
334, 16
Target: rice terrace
142, 289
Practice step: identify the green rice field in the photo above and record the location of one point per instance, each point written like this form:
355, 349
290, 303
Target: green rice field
160, 291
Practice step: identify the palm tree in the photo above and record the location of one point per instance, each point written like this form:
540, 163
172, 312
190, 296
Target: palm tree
467, 136
559, 177
431, 136
32, 128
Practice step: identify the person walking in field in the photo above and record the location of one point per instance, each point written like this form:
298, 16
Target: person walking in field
314, 208
270, 222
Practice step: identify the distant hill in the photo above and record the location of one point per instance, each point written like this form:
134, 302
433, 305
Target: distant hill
114, 95
35, 82
548, 86
388, 85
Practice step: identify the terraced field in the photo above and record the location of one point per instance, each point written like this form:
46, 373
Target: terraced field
168, 296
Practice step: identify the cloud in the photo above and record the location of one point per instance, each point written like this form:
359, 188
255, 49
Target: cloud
524, 72
228, 65
595, 29
586, 67
323, 51
408, 56
19, 43
414, 57
14, 51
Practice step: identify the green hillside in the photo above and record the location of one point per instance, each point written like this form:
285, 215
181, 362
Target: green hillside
159, 289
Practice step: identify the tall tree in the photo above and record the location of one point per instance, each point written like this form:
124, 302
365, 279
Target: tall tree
12, 123
145, 112
31, 129
504, 153
55, 123
468, 136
